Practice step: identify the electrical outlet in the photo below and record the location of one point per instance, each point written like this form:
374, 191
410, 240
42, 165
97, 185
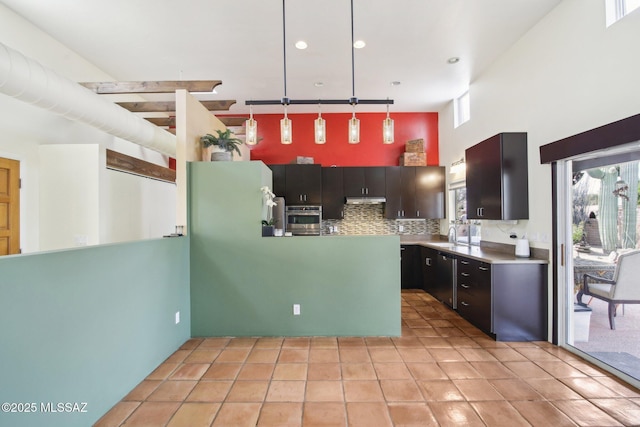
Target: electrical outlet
177, 317
401, 228
296, 309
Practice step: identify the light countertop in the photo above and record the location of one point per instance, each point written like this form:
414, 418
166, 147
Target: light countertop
487, 255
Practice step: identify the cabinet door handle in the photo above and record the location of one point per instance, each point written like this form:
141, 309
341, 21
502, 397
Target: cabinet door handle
465, 286
366, 191
464, 303
427, 261
465, 274
464, 262
483, 268
417, 213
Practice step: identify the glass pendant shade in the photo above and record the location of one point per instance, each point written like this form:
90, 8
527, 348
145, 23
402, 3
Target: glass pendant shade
320, 130
285, 129
354, 130
251, 131
387, 131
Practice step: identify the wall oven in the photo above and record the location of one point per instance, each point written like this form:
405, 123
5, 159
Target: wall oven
304, 220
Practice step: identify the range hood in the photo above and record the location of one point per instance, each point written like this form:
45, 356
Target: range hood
365, 200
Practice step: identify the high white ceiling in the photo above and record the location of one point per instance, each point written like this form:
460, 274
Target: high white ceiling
241, 43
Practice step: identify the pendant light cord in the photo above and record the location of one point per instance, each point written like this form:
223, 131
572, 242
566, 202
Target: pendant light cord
284, 49
353, 55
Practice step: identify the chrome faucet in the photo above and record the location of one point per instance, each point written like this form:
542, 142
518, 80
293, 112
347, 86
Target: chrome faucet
453, 233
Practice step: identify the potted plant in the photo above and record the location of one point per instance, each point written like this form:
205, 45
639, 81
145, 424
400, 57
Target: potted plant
224, 144
267, 224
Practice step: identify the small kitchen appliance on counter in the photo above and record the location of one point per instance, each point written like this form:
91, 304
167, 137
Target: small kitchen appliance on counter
522, 248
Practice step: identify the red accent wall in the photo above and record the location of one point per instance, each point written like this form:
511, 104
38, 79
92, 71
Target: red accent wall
337, 151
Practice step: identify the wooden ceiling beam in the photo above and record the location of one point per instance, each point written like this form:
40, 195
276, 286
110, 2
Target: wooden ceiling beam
162, 121
171, 121
170, 106
233, 121
104, 88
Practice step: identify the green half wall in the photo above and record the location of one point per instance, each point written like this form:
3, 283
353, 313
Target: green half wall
243, 284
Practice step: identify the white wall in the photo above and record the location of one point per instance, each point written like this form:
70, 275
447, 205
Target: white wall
567, 75
24, 128
69, 195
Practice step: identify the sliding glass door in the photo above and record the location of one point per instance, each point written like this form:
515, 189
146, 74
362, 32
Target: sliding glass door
597, 223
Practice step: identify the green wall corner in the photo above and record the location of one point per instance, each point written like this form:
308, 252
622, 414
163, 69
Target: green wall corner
243, 284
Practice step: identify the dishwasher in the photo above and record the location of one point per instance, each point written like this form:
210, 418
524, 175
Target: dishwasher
445, 284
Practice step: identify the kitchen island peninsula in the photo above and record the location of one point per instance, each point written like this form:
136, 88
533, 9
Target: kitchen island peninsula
245, 285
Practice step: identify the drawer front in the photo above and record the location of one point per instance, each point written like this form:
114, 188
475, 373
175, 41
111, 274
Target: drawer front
476, 310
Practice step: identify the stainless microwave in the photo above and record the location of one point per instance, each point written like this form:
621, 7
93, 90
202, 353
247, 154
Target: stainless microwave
304, 220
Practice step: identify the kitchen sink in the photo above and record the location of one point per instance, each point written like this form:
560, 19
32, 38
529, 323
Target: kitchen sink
444, 245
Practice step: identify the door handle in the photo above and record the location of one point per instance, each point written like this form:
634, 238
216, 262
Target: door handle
483, 268
465, 274
465, 286
464, 262
464, 303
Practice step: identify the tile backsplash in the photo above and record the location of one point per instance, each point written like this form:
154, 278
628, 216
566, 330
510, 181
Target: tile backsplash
369, 219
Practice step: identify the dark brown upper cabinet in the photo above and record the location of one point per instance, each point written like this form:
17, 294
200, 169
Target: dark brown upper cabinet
497, 178
332, 193
302, 184
415, 192
430, 192
364, 181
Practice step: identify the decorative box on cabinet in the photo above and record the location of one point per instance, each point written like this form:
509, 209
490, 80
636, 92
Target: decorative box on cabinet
497, 178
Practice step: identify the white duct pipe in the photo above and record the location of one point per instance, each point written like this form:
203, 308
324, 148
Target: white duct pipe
29, 81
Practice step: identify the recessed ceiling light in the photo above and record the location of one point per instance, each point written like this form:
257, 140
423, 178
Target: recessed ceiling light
301, 44
395, 83
359, 44
318, 84
453, 60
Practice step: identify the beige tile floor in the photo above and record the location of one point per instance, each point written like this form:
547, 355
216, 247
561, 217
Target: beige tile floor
442, 371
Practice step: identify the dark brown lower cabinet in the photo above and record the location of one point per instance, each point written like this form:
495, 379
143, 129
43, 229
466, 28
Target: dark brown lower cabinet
474, 292
410, 272
507, 301
429, 263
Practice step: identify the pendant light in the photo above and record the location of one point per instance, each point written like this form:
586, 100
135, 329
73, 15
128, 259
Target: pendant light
354, 124
354, 128
320, 128
387, 129
285, 129
320, 123
251, 129
285, 123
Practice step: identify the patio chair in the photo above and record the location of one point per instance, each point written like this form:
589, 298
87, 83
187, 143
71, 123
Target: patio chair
624, 288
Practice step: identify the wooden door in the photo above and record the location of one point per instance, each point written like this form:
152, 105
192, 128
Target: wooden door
9, 207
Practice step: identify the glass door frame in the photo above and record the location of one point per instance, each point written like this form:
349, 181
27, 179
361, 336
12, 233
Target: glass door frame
563, 271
